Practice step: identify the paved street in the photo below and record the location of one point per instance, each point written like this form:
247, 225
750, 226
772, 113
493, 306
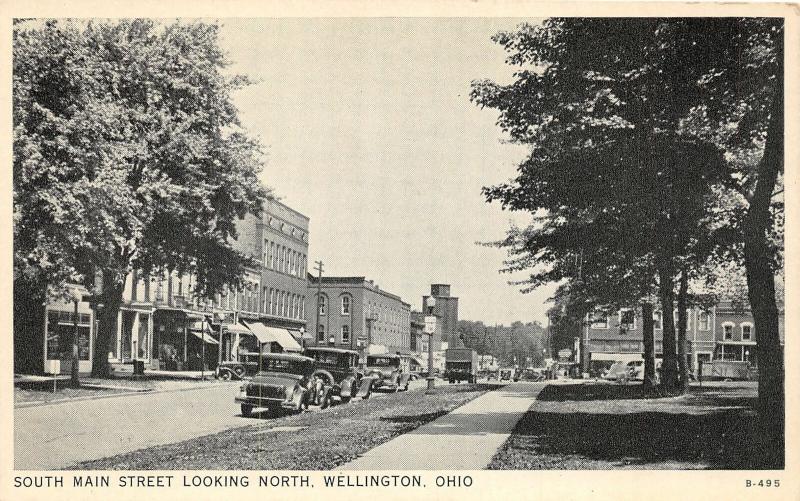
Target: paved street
464, 439
60, 435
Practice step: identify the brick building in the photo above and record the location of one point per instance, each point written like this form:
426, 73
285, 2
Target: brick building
163, 324
722, 332
355, 313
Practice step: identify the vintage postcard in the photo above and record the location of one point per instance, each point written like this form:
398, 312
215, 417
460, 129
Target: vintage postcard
348, 250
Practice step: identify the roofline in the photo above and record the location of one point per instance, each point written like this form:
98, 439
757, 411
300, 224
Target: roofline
358, 282
273, 198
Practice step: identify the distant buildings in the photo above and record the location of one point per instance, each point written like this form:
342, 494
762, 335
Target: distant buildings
355, 313
446, 311
724, 331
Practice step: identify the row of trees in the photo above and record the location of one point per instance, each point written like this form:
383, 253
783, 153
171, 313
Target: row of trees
520, 343
128, 154
656, 153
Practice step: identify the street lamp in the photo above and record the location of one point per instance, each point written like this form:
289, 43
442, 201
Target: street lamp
77, 297
303, 337
430, 329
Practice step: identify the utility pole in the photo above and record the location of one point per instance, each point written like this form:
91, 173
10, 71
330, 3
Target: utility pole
319, 269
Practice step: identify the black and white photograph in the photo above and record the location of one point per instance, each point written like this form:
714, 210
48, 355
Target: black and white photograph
383, 246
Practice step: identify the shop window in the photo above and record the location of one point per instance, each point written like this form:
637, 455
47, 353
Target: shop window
61, 332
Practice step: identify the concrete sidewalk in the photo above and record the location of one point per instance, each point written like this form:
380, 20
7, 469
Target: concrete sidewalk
464, 439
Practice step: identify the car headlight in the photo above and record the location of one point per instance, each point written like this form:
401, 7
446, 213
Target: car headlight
289, 392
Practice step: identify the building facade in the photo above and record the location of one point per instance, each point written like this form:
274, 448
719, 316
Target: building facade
446, 311
355, 313
721, 332
164, 324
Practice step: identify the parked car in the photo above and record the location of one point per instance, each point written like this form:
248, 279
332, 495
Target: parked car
387, 373
337, 376
238, 369
285, 381
507, 374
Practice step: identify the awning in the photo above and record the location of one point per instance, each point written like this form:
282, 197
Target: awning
300, 335
205, 337
237, 329
273, 335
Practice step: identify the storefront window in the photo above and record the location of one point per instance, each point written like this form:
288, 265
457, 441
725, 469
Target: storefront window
60, 332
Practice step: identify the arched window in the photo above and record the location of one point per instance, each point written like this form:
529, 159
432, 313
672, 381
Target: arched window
727, 330
345, 305
747, 331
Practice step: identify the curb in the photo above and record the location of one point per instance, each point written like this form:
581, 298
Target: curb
23, 405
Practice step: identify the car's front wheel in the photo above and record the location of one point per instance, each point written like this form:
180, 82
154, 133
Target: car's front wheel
225, 375
325, 398
247, 410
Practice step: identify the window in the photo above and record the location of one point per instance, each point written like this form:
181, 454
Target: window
264, 299
727, 329
747, 331
322, 305
272, 255
627, 319
657, 320
61, 331
321, 334
303, 307
704, 321
345, 333
688, 320
345, 305
599, 320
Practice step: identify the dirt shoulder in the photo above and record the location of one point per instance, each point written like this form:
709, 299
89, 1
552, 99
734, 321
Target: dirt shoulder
608, 426
318, 440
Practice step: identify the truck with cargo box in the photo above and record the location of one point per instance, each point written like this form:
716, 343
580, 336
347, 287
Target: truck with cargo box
461, 364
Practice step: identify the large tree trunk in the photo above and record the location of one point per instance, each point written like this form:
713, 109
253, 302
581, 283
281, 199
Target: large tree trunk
683, 366
29, 301
759, 263
111, 300
649, 345
666, 293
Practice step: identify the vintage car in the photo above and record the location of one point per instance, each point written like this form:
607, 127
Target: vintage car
507, 374
387, 372
284, 382
336, 375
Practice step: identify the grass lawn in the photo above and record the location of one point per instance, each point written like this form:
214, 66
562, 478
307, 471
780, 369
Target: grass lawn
607, 426
317, 440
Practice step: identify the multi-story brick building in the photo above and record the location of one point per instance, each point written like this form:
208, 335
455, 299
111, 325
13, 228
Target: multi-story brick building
355, 313
446, 311
723, 331
165, 325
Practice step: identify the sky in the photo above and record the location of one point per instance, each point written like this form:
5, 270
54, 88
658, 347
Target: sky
369, 131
